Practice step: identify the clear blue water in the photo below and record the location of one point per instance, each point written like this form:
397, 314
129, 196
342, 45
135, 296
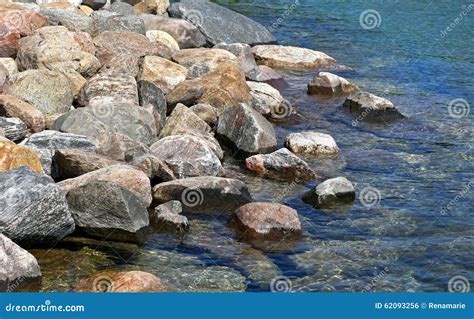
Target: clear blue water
419, 234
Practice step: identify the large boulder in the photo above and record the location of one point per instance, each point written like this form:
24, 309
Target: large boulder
371, 107
33, 209
48, 91
185, 33
11, 106
204, 194
295, 58
209, 17
105, 210
247, 130
162, 72
13, 128
16, 265
281, 164
182, 118
46, 143
188, 156
13, 156
126, 281
330, 192
326, 83
311, 143
201, 60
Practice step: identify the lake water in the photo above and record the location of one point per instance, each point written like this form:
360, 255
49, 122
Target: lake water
411, 227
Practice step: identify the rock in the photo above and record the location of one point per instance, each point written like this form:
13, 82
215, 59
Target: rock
54, 48
94, 4
121, 8
48, 91
154, 168
281, 164
204, 194
73, 163
268, 101
267, 221
86, 10
11, 106
311, 143
185, 33
202, 60
150, 94
127, 177
331, 191
158, 7
17, 265
110, 21
105, 210
162, 72
75, 80
330, 84
9, 42
33, 210
10, 65
204, 136
187, 156
371, 107
104, 119
46, 143
247, 130
208, 17
120, 147
181, 118
129, 281
246, 60
13, 128
72, 20
168, 216
205, 112
293, 58
13, 156
268, 75
84, 39
163, 38
109, 87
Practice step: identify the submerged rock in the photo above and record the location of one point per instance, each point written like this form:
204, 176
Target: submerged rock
126, 281
168, 216
13, 156
33, 209
204, 194
331, 191
326, 83
371, 107
311, 143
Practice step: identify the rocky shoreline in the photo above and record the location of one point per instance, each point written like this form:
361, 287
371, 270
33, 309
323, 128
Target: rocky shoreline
118, 119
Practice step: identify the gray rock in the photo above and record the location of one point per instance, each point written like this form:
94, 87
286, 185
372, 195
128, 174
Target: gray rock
310, 142
247, 129
73, 21
94, 4
185, 33
204, 194
183, 118
120, 147
150, 94
168, 216
46, 143
33, 209
13, 128
371, 107
281, 164
331, 191
122, 8
209, 17
326, 83
245, 57
205, 112
154, 168
188, 156
104, 210
268, 101
17, 266
110, 21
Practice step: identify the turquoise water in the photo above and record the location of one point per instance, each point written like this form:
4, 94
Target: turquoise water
414, 234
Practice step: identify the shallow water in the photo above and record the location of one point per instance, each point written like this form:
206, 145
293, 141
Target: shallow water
415, 232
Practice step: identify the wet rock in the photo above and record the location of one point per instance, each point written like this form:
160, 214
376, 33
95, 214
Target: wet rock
181, 118
163, 73
187, 156
202, 60
267, 100
33, 210
16, 264
127, 177
94, 4
150, 94
48, 91
11, 106
54, 48
13, 128
205, 112
371, 107
46, 143
110, 21
294, 58
13, 156
122, 8
204, 194
247, 129
245, 58
163, 38
168, 216
107, 87
185, 33
103, 209
281, 164
129, 281
73, 163
208, 17
311, 143
331, 191
72, 20
267, 221
326, 83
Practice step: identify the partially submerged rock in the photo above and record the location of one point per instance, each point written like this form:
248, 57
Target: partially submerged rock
169, 216
371, 107
331, 191
326, 83
311, 143
126, 281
